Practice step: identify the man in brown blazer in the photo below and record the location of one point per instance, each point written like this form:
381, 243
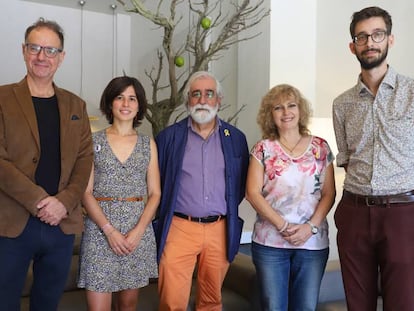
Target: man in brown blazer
45, 161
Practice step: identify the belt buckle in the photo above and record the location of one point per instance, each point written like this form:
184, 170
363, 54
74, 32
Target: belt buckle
380, 202
370, 201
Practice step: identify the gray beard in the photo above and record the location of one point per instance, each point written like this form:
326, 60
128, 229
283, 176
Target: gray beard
203, 117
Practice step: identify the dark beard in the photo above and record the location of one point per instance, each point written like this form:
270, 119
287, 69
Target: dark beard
369, 65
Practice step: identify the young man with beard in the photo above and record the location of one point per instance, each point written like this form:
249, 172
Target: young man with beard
373, 124
203, 165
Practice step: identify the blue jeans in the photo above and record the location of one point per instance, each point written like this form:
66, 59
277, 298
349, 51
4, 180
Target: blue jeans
51, 252
289, 279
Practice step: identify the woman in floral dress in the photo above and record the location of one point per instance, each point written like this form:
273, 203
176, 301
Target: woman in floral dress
118, 251
291, 186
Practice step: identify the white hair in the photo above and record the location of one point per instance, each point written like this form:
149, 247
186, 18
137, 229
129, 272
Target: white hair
198, 75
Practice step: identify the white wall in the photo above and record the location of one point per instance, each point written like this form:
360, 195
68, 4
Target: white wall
293, 45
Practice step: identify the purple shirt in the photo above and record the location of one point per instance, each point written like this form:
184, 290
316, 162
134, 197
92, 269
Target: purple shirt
202, 183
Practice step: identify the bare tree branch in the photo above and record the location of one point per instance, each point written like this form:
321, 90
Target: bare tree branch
205, 43
236, 114
156, 18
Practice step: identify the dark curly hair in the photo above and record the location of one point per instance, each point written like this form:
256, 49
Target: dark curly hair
115, 87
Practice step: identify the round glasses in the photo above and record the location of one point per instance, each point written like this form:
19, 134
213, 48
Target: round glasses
198, 94
49, 51
377, 36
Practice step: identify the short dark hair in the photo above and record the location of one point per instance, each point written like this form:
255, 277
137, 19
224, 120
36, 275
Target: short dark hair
115, 87
42, 23
369, 12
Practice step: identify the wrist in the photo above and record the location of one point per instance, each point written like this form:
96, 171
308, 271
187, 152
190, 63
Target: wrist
314, 229
107, 228
284, 227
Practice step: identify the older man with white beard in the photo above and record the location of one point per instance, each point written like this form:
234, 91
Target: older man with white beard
203, 164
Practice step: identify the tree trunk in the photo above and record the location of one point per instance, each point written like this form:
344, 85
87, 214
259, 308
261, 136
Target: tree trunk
160, 115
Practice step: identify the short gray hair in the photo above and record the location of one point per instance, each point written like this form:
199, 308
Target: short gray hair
198, 75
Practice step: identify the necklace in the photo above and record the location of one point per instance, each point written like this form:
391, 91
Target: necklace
293, 148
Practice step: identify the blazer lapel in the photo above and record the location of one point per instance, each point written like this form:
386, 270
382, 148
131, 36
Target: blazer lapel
65, 118
24, 100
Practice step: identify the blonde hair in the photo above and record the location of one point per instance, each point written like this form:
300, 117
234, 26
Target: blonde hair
277, 95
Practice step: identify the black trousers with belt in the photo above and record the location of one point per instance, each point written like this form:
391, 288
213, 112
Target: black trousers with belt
376, 238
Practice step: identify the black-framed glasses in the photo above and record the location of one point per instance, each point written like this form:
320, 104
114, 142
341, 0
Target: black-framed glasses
377, 36
49, 51
197, 94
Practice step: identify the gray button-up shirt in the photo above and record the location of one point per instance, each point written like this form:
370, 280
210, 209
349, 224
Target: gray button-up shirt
375, 136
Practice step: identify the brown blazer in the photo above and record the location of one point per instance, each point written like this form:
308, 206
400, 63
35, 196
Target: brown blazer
20, 152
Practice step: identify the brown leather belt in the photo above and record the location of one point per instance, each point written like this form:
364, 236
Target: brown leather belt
203, 220
381, 200
132, 199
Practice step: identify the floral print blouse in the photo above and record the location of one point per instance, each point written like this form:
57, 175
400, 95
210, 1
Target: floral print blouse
292, 186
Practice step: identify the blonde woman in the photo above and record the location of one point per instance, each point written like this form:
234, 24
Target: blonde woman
291, 186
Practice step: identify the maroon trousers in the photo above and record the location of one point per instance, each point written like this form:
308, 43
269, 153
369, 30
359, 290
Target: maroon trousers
374, 239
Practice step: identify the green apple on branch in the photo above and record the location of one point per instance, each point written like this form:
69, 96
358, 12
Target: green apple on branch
206, 23
179, 61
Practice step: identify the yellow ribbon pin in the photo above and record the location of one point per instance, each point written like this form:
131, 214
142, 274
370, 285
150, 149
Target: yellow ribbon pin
226, 132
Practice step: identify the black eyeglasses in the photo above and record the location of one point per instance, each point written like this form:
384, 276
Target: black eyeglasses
377, 36
49, 51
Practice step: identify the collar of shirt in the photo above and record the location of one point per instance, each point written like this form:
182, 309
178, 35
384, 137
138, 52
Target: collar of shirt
191, 127
389, 79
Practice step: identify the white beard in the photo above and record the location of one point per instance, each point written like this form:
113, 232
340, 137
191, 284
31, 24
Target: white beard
203, 114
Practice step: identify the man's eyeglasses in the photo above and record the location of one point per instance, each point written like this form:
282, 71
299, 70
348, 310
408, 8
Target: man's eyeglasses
197, 94
49, 51
377, 36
